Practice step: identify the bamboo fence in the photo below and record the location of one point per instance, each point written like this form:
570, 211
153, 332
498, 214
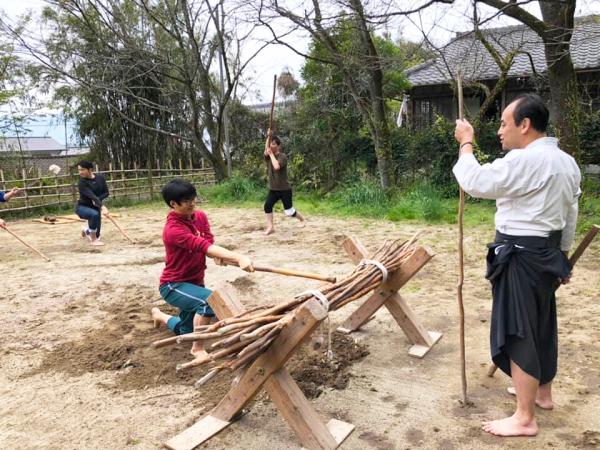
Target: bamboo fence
133, 183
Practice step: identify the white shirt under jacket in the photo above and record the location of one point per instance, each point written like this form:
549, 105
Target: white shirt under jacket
536, 189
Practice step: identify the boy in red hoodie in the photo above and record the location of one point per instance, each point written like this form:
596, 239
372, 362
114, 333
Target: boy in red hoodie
188, 240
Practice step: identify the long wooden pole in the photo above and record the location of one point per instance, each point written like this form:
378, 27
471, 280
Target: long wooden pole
288, 272
461, 267
583, 245
109, 217
26, 244
272, 109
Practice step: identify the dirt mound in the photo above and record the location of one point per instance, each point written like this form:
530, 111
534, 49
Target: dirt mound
123, 345
313, 371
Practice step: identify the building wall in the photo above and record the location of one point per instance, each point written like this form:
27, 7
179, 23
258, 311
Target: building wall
12, 165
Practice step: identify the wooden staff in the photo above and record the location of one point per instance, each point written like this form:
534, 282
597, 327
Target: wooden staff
272, 109
288, 272
583, 245
461, 260
26, 244
109, 217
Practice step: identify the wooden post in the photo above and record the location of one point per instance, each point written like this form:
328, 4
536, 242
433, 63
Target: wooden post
115, 193
123, 180
41, 184
24, 173
57, 189
137, 180
73, 188
150, 181
159, 172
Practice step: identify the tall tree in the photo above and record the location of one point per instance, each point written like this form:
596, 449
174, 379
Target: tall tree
556, 30
151, 64
359, 64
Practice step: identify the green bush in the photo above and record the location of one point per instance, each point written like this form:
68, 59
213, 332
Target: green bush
589, 138
235, 189
365, 193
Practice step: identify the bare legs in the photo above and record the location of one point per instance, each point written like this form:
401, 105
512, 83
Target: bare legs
301, 218
95, 241
522, 422
271, 228
543, 398
198, 346
160, 317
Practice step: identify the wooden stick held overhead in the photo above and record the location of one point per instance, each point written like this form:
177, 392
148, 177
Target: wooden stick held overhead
109, 217
26, 244
272, 109
461, 259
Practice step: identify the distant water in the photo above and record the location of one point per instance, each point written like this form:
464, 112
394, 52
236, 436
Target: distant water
44, 126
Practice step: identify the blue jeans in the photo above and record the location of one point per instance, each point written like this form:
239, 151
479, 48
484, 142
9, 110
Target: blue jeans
190, 299
93, 217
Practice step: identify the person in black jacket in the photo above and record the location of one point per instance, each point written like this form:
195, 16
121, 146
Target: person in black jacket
93, 190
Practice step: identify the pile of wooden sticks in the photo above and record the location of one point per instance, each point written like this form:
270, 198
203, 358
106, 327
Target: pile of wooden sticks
238, 341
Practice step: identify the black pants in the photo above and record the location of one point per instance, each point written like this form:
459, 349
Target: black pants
274, 196
523, 271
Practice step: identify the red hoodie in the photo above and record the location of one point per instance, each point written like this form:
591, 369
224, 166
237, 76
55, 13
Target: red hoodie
186, 243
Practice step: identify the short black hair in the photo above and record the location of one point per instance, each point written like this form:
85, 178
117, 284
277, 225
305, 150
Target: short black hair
178, 190
532, 107
276, 139
85, 164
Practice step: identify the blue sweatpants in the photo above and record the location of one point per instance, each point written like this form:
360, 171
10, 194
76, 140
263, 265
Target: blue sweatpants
190, 299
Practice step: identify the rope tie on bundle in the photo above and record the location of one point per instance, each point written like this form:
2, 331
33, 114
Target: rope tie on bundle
373, 262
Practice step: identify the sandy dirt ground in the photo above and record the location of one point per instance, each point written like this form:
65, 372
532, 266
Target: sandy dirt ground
77, 371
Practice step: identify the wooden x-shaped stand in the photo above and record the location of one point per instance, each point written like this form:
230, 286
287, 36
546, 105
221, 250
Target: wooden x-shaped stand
386, 294
268, 370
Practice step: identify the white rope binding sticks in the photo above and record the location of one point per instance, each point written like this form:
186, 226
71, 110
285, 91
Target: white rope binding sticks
381, 267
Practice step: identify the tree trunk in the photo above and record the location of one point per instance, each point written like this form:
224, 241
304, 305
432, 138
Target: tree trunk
378, 121
556, 30
562, 78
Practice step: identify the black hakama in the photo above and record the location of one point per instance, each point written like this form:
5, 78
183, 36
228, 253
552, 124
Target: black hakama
524, 272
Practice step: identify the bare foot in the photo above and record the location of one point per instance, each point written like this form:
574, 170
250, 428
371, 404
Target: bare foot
156, 316
269, 231
97, 243
510, 426
198, 353
302, 223
544, 403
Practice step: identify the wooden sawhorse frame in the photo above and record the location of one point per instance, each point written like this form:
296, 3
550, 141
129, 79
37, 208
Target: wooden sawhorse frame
268, 370
386, 294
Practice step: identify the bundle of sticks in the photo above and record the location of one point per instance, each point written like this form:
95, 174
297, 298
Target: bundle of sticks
237, 341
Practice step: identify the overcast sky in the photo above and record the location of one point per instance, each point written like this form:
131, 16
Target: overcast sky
447, 20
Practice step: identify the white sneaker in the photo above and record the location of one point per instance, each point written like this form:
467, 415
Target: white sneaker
85, 233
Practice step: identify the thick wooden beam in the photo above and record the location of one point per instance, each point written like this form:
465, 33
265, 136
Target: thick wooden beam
300, 415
